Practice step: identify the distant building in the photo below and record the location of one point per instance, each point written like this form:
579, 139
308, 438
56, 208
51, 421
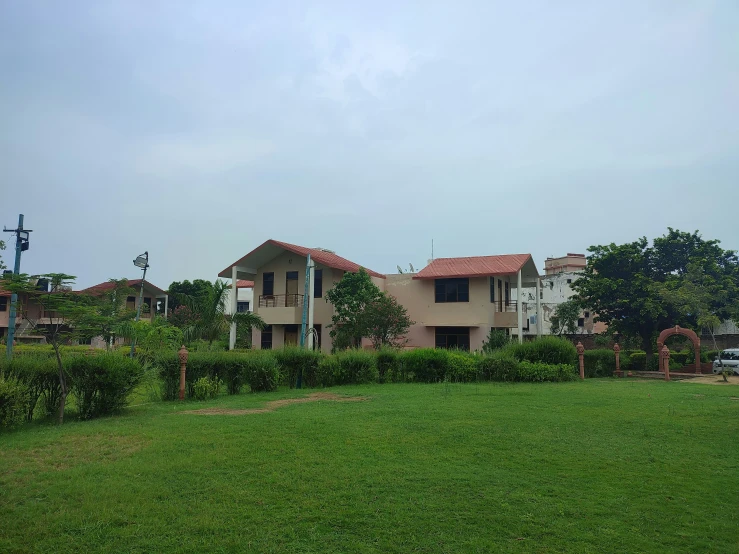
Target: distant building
244, 298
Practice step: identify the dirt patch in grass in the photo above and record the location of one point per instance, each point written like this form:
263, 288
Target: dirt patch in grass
274, 404
713, 380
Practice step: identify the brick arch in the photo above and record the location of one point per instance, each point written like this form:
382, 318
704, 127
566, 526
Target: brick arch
677, 330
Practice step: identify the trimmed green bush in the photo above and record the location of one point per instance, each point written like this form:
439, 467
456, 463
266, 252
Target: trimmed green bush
388, 365
356, 367
327, 368
548, 350
294, 360
102, 383
462, 367
425, 365
206, 387
600, 362
539, 372
14, 401
498, 366
40, 374
262, 371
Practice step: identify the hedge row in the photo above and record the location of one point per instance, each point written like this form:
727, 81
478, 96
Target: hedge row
264, 370
99, 383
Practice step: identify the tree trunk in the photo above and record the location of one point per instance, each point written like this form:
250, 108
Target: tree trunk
648, 347
62, 383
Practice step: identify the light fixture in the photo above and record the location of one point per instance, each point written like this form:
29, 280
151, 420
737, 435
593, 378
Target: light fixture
142, 260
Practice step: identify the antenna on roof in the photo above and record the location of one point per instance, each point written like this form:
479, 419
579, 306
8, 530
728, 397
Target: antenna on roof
400, 269
411, 266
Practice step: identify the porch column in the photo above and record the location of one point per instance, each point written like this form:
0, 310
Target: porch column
519, 307
538, 307
311, 302
234, 306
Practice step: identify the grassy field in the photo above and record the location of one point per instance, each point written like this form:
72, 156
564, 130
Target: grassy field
599, 466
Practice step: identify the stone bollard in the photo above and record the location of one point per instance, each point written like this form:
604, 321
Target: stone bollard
580, 353
617, 352
183, 367
664, 356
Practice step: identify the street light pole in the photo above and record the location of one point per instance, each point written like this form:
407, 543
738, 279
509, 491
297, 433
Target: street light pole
21, 244
141, 261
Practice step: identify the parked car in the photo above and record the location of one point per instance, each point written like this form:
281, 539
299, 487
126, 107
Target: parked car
729, 358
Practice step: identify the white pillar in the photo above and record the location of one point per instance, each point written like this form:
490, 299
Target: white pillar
234, 306
538, 307
519, 307
311, 302
166, 306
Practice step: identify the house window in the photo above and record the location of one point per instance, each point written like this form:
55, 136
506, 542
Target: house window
452, 290
147, 303
131, 303
268, 285
581, 322
500, 295
160, 305
569, 281
85, 340
318, 283
266, 342
492, 290
507, 294
453, 337
3, 303
242, 307
587, 315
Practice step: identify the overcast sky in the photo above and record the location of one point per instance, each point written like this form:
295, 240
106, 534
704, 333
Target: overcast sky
197, 130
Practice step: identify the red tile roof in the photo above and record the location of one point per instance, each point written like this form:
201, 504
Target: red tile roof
244, 284
475, 266
317, 255
133, 283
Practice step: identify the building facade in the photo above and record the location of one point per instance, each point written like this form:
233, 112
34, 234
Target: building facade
454, 302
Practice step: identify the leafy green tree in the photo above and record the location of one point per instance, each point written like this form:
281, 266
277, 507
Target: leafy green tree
564, 319
65, 316
386, 322
624, 284
350, 298
111, 317
208, 319
199, 287
497, 339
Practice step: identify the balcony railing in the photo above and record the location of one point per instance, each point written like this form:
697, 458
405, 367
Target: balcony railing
280, 300
509, 306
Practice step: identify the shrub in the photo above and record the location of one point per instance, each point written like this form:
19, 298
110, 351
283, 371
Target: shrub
537, 372
40, 374
206, 387
262, 372
462, 367
600, 362
498, 366
102, 383
295, 361
548, 350
14, 400
327, 368
425, 365
356, 367
497, 339
388, 365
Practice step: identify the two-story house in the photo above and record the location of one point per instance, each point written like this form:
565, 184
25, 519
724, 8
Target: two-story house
454, 302
278, 271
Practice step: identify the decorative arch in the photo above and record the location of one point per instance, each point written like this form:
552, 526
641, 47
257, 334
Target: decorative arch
677, 330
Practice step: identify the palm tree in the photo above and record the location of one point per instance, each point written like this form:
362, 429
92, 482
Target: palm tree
211, 319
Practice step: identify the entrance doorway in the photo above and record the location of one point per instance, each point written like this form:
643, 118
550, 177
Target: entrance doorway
291, 335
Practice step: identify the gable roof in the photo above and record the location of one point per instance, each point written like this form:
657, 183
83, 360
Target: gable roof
133, 283
474, 266
329, 259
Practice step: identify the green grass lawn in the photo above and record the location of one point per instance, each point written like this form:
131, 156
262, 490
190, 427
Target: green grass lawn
600, 466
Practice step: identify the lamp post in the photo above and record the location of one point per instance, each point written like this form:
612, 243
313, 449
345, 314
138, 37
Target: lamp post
141, 261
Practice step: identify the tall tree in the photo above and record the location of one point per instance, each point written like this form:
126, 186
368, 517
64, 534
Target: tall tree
208, 319
386, 321
350, 298
111, 316
565, 316
177, 289
624, 284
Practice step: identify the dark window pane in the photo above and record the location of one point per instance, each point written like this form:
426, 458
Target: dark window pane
268, 284
452, 290
3, 303
292, 275
318, 283
266, 342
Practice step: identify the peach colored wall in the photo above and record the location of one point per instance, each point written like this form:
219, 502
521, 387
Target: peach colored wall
417, 295
322, 310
